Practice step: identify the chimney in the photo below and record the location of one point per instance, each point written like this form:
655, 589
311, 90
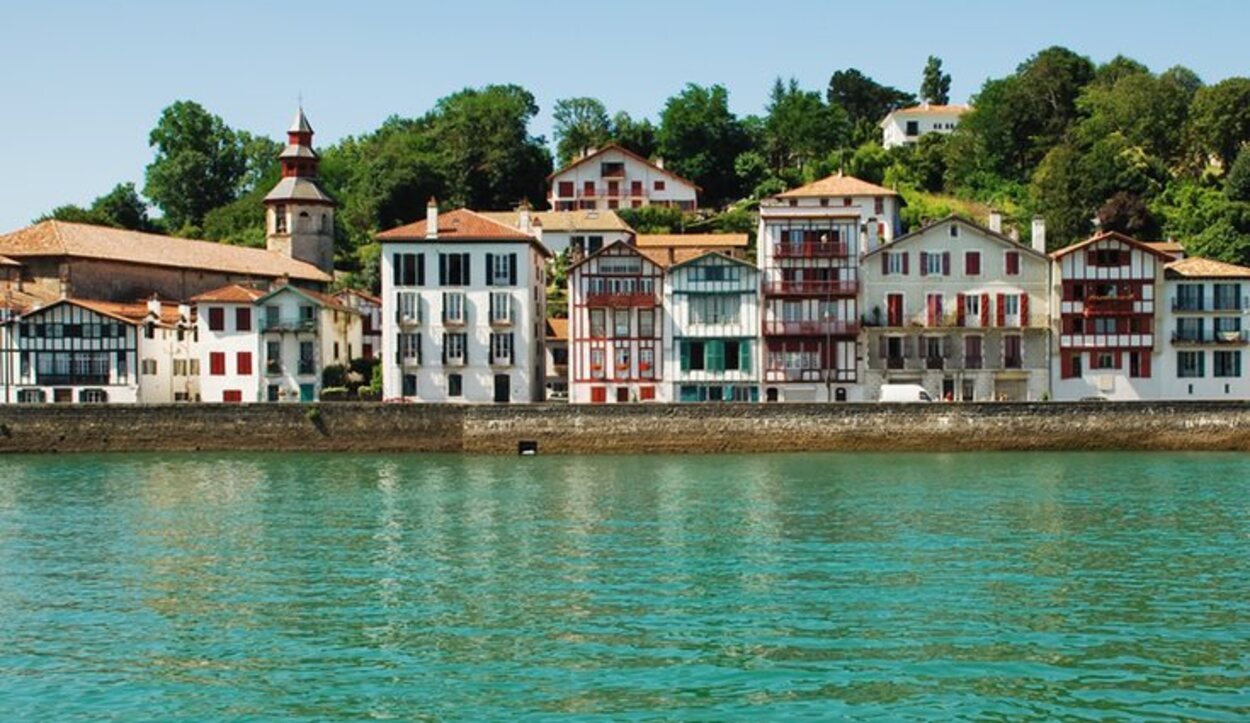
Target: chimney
523, 218
536, 228
1039, 234
1014, 234
996, 221
154, 306
659, 163
431, 218
184, 312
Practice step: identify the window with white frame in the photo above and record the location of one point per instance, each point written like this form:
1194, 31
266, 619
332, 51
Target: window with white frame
894, 262
714, 309
933, 264
620, 323
454, 348
972, 308
147, 367
501, 348
646, 323
409, 303
501, 307
453, 307
646, 363
409, 348
1190, 364
598, 323
596, 363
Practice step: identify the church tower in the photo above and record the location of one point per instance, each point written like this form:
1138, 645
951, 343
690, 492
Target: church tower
299, 217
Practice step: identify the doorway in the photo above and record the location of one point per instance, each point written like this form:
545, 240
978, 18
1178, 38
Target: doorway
503, 388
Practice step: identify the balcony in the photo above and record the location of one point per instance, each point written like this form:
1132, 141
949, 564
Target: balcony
934, 363
408, 317
836, 376
273, 368
810, 250
453, 319
895, 362
71, 380
284, 326
1219, 338
410, 360
811, 328
619, 300
1013, 362
1218, 304
811, 288
454, 361
1110, 304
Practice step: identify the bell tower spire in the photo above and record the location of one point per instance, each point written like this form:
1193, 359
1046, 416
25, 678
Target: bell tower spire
299, 213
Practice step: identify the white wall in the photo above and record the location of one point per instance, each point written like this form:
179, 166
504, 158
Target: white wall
230, 341
894, 127
687, 283
675, 192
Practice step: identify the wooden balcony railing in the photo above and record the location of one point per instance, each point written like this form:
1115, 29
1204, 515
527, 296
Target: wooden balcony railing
811, 328
639, 298
1110, 304
811, 288
810, 250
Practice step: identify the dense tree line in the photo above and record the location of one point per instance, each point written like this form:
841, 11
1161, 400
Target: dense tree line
1112, 146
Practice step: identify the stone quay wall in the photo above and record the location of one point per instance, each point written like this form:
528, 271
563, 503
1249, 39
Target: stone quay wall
627, 429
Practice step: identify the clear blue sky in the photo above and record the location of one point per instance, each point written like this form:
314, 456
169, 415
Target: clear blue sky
81, 83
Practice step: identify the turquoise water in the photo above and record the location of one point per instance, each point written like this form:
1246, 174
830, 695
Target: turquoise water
870, 586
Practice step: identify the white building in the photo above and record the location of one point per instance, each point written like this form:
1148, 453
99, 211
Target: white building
370, 309
557, 349
587, 231
1104, 303
809, 244
1205, 303
616, 328
229, 344
465, 300
712, 329
614, 177
960, 309
906, 125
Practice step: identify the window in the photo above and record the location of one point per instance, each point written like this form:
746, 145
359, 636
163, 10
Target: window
454, 348
147, 367
501, 269
1108, 257
409, 311
594, 244
565, 189
455, 385
216, 318
620, 323
273, 357
279, 218
409, 385
1228, 328
658, 185
1012, 263
217, 364
598, 323
1190, 364
409, 349
31, 396
972, 308
501, 307
913, 128
243, 319
243, 362
896, 262
596, 363
1227, 297
1227, 364
307, 358
501, 348
646, 323
878, 206
713, 309
1013, 352
953, 230
409, 269
1104, 360
453, 307
180, 367
715, 273
307, 313
621, 357
972, 262
454, 270
611, 169
273, 316
933, 264
1103, 325
93, 396
972, 352
646, 363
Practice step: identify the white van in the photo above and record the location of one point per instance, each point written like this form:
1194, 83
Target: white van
900, 393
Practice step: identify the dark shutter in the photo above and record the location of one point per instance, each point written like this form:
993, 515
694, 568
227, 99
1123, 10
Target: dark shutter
1002, 310
946, 263
420, 269
397, 262
924, 263
465, 267
906, 256
512, 269
959, 309
442, 269
490, 269
883, 347
885, 263
512, 340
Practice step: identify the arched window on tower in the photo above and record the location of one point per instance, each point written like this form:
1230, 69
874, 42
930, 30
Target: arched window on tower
279, 218
304, 225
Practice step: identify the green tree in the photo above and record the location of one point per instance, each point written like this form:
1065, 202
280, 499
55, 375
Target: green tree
1116, 69
701, 139
637, 136
121, 207
935, 86
865, 101
580, 124
198, 166
1237, 182
799, 127
1220, 119
485, 151
1150, 112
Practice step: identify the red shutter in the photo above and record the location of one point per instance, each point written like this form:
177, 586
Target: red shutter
985, 309
959, 309
885, 263
1144, 365
972, 263
244, 362
598, 395
243, 319
946, 263
217, 364
924, 263
905, 257
1013, 263
216, 318
646, 394
931, 302
1024, 309
1002, 310
232, 396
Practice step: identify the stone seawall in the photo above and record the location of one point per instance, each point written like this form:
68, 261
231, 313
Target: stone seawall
563, 429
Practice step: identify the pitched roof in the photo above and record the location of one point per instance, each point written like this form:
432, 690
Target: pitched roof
615, 147
230, 294
300, 124
1113, 235
563, 221
359, 294
655, 256
837, 185
133, 313
81, 240
995, 235
952, 109
1167, 247
316, 297
299, 188
691, 240
666, 256
1200, 268
710, 253
6, 261
462, 225
558, 329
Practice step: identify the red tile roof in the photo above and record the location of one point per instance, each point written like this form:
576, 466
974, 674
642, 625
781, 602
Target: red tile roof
1116, 235
80, 240
614, 147
837, 185
462, 225
558, 329
691, 240
230, 294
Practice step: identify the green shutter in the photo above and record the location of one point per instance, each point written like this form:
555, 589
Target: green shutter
744, 357
685, 355
715, 351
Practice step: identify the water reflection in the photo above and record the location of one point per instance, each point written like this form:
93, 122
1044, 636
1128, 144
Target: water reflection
834, 585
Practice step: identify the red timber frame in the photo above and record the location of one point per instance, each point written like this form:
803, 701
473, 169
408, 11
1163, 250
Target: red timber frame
617, 279
812, 261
